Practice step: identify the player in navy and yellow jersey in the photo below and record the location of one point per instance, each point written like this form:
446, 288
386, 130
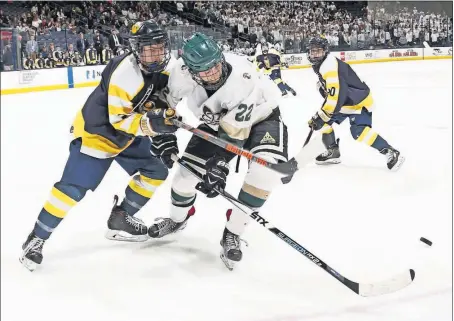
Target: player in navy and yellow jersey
128, 106
346, 96
270, 62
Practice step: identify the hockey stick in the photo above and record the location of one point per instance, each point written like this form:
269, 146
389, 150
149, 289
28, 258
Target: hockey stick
288, 168
393, 284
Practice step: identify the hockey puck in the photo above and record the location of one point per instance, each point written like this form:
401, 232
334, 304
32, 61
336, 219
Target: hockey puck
424, 240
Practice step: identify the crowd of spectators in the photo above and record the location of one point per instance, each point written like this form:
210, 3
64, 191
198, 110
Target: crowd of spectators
95, 31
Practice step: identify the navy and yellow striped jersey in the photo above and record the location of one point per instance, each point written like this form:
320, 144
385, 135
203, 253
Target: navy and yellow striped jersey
346, 93
268, 62
110, 118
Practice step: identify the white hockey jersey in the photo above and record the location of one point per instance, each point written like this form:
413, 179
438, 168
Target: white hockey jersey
244, 100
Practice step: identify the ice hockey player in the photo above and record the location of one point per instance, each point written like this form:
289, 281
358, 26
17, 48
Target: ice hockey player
346, 96
235, 104
114, 124
270, 61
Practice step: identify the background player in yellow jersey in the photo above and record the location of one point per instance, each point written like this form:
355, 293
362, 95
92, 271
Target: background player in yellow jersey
346, 96
270, 62
125, 109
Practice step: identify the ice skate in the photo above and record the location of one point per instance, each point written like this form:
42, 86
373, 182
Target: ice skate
394, 159
32, 254
231, 249
168, 226
330, 156
124, 227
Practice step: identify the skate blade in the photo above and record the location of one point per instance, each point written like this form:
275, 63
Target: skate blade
228, 263
329, 162
399, 163
28, 264
124, 236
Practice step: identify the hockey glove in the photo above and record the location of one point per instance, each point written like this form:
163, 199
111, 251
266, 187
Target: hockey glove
158, 121
163, 146
217, 170
316, 122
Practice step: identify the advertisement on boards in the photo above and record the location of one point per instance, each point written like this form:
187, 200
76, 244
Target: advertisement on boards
294, 60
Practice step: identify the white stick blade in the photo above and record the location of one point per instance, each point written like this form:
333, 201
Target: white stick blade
394, 284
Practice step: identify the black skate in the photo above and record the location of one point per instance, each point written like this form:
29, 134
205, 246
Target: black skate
168, 226
394, 159
32, 252
124, 227
293, 91
284, 94
330, 156
231, 249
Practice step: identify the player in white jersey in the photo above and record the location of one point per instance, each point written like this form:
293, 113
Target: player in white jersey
235, 104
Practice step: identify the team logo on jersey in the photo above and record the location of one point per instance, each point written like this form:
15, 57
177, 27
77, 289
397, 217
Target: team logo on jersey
211, 118
268, 139
246, 75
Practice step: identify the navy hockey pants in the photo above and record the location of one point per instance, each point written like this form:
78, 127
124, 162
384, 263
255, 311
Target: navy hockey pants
87, 172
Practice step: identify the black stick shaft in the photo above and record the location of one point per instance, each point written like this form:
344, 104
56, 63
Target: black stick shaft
281, 235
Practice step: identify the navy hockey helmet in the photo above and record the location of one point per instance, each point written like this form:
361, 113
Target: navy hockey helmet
317, 50
205, 61
150, 45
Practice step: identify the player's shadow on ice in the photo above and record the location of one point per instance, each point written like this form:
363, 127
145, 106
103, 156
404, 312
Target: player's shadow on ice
185, 246
88, 249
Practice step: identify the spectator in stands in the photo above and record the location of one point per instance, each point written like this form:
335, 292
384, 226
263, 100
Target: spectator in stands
40, 62
82, 44
77, 60
434, 38
70, 50
28, 63
98, 41
91, 55
106, 55
36, 21
115, 40
292, 23
7, 57
31, 47
403, 39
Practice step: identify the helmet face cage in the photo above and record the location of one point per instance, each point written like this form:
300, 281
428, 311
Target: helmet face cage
212, 78
315, 45
152, 52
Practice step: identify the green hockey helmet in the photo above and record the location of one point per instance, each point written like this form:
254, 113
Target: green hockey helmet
205, 61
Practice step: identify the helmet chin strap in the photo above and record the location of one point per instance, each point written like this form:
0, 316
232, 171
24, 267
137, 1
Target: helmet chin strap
144, 69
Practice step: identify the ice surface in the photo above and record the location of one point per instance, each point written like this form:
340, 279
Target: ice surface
358, 217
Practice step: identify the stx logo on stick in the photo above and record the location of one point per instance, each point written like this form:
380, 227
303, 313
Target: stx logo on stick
259, 219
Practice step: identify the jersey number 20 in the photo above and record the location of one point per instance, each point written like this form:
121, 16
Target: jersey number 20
244, 112
332, 91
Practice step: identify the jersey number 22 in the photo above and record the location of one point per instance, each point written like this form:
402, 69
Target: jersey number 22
244, 112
